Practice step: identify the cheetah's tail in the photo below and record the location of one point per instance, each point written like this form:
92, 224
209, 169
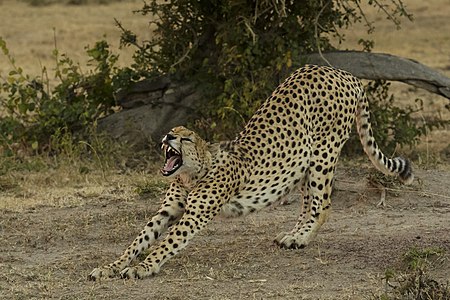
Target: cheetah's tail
397, 166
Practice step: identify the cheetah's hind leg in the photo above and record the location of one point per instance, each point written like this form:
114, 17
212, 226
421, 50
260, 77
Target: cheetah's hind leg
316, 207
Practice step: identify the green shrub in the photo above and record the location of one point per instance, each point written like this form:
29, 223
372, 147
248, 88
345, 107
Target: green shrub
239, 51
32, 112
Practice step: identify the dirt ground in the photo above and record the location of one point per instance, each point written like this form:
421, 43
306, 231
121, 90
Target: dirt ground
54, 230
48, 251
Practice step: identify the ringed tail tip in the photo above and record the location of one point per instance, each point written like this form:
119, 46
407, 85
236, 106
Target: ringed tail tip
406, 176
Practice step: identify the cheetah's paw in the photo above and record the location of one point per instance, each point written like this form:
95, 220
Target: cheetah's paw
289, 240
140, 271
102, 273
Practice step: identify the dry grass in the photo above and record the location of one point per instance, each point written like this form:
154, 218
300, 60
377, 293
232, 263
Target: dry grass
425, 40
60, 182
32, 32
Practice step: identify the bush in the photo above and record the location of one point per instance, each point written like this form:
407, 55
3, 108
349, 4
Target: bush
239, 51
32, 113
412, 279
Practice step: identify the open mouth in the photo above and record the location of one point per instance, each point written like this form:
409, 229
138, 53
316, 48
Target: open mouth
173, 160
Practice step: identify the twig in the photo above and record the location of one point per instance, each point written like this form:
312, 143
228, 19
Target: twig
97, 156
236, 112
426, 136
382, 196
316, 32
368, 23
189, 49
249, 28
425, 193
257, 280
389, 16
319, 259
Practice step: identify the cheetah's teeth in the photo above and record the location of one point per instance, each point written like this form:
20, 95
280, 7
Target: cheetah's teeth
173, 160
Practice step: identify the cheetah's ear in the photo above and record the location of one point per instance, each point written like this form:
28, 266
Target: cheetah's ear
213, 148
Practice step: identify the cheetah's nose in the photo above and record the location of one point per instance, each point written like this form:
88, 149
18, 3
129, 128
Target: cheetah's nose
168, 137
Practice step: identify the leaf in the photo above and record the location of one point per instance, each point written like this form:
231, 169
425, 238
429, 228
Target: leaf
35, 145
23, 108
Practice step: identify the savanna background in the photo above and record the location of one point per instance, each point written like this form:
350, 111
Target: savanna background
63, 212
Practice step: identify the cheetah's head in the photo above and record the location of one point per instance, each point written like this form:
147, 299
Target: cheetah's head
185, 152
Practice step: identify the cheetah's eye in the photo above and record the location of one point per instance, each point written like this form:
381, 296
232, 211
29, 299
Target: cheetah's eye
187, 140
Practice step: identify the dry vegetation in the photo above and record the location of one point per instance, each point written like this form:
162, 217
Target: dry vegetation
57, 224
34, 31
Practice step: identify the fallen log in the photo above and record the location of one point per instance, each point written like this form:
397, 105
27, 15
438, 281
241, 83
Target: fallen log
152, 107
374, 66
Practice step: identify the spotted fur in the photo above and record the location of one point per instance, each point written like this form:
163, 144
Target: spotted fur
294, 139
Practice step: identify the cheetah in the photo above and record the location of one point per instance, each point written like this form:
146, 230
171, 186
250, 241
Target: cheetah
293, 140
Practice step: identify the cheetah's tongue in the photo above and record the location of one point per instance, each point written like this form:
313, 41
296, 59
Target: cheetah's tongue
171, 163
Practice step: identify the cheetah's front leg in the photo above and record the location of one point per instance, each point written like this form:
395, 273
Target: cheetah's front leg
177, 239
200, 210
170, 212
